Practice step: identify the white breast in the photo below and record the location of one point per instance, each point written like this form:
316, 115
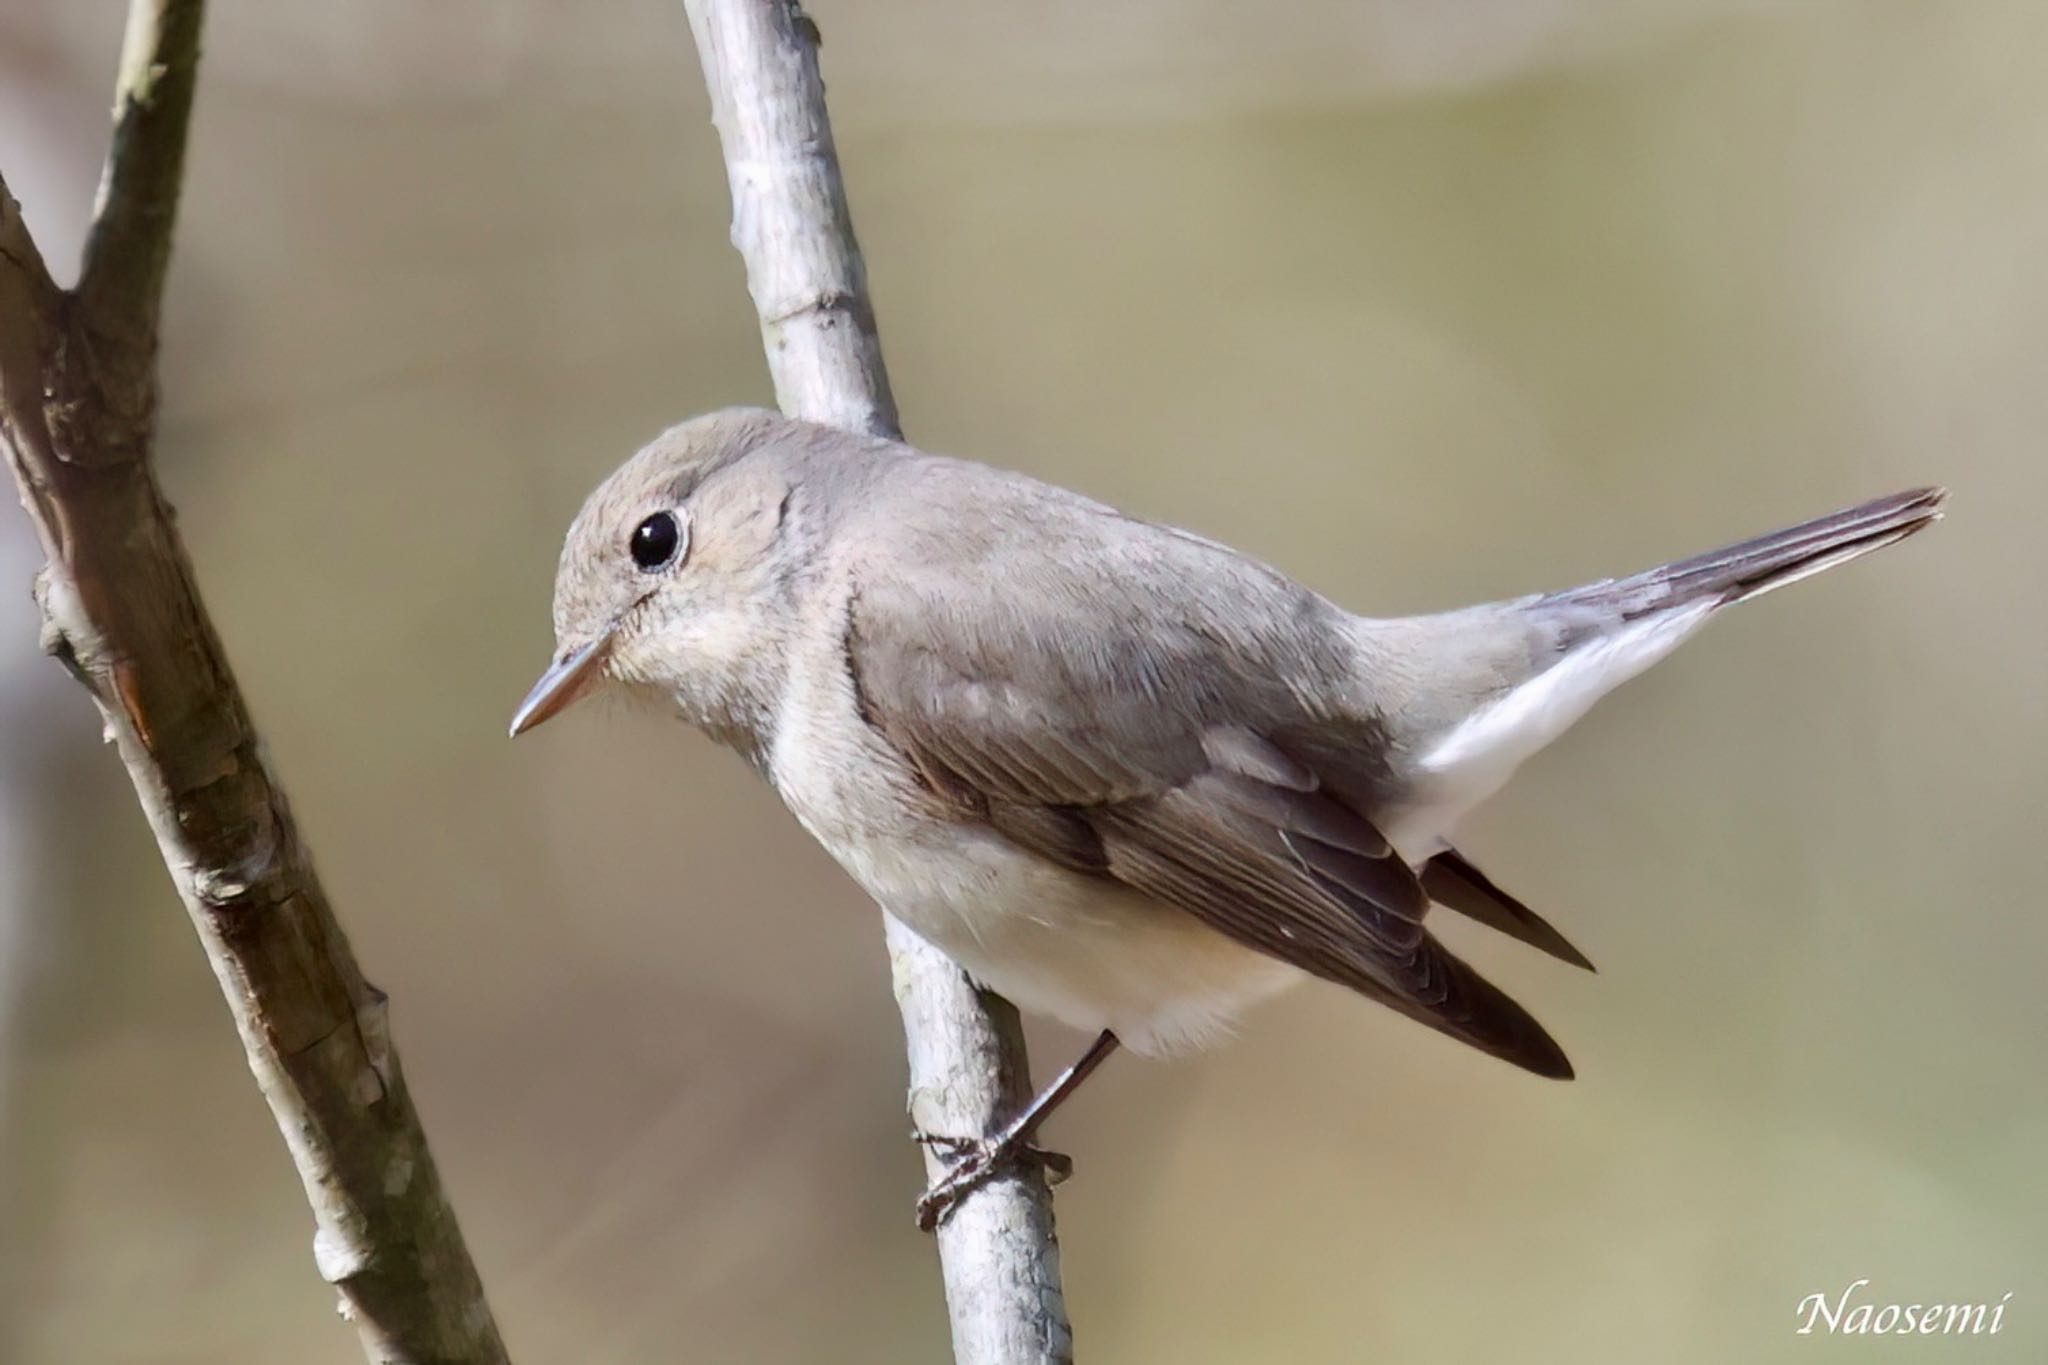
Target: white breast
1079, 948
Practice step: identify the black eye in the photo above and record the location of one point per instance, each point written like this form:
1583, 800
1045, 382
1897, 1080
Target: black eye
655, 541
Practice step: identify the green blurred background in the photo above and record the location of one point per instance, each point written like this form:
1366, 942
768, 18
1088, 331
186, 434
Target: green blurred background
1426, 301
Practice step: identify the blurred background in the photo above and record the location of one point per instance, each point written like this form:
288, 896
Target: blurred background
1427, 302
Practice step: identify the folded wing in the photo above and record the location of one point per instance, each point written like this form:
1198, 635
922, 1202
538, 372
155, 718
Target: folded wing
1104, 733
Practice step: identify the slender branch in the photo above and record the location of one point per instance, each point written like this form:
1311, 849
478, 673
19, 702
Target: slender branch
968, 1070
122, 612
25, 282
30, 303
120, 284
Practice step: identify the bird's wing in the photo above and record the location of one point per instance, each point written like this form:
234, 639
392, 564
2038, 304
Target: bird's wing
1147, 735
1454, 883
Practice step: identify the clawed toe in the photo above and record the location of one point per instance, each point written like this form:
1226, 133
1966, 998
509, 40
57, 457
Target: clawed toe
975, 1162
954, 1147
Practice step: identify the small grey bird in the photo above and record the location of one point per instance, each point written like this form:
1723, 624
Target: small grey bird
1121, 774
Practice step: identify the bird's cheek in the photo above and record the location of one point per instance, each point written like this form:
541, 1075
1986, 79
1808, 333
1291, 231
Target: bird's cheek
661, 651
629, 664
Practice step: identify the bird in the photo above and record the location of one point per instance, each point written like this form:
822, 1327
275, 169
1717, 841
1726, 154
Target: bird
1121, 774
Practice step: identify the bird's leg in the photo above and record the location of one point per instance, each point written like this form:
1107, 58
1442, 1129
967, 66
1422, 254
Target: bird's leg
978, 1160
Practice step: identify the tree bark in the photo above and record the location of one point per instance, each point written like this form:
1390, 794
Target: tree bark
968, 1069
121, 611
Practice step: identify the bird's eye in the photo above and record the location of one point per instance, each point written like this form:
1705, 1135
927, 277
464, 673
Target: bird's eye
656, 541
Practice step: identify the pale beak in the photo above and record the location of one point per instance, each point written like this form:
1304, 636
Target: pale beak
565, 681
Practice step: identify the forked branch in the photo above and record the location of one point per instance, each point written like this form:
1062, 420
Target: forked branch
121, 610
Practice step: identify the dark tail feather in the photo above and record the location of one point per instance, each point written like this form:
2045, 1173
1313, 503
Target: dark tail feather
1755, 567
1457, 885
1478, 1012
1465, 1005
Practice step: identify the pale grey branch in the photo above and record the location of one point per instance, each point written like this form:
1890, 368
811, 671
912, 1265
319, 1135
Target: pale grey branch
968, 1071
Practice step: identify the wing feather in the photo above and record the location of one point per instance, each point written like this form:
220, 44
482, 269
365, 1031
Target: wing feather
1119, 739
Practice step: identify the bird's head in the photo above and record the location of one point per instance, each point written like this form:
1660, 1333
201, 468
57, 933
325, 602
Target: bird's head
677, 575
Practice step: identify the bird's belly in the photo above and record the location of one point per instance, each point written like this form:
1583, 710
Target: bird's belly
1082, 949
1085, 950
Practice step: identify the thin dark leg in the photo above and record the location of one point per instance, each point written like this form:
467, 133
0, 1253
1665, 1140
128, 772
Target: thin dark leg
1026, 1125
980, 1159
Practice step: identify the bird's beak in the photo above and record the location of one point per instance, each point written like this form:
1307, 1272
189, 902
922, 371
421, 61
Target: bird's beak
566, 680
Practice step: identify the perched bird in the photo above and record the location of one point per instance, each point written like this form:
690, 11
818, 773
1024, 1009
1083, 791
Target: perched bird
1119, 773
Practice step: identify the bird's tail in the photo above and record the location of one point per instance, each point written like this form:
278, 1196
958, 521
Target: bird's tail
1539, 663
1535, 665
1752, 568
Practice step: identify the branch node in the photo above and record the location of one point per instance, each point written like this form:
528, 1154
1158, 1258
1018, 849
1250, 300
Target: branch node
823, 305
340, 1258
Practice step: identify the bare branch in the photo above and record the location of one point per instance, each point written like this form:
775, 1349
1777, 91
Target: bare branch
968, 1070
121, 283
29, 306
23, 279
122, 612
789, 216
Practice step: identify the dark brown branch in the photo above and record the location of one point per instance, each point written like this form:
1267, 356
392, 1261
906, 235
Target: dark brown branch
122, 612
30, 308
121, 281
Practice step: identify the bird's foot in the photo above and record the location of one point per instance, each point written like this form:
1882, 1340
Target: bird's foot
975, 1162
